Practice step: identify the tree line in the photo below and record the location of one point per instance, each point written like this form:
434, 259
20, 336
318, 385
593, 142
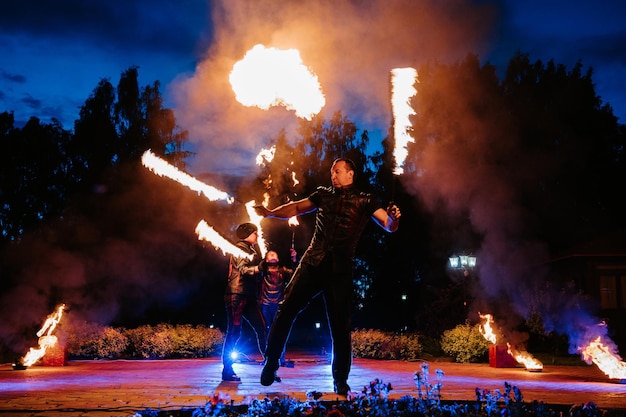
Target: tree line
537, 151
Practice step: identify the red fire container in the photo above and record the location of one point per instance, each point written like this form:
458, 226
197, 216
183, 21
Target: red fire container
499, 357
55, 356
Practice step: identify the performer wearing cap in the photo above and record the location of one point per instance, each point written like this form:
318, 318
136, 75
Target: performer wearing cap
342, 213
241, 298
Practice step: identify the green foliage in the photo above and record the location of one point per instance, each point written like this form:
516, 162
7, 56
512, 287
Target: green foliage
465, 343
163, 341
91, 340
377, 344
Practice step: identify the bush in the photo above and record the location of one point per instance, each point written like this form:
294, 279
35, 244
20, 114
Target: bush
168, 341
376, 344
94, 341
465, 344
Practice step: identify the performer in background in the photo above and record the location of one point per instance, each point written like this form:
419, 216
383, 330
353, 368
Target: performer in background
241, 298
273, 282
342, 213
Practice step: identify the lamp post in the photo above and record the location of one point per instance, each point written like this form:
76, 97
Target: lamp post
466, 264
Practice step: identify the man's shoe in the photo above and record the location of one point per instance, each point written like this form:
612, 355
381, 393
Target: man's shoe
268, 374
341, 387
230, 376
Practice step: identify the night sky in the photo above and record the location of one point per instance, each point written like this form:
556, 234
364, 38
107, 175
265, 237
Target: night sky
55, 53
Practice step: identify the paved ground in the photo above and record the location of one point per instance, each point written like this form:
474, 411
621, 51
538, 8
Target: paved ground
120, 388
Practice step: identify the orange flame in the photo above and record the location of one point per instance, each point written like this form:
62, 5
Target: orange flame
525, 358
605, 358
294, 179
293, 221
402, 80
256, 220
45, 341
268, 77
265, 156
206, 232
486, 329
163, 168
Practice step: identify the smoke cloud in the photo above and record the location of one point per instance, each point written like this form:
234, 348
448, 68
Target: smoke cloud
350, 45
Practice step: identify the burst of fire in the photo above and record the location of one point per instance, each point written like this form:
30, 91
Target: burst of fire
265, 156
487, 329
268, 77
163, 168
605, 358
402, 81
294, 179
206, 232
46, 338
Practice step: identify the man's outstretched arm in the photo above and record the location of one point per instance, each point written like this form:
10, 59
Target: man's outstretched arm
287, 211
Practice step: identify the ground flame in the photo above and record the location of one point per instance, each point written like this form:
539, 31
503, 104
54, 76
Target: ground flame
46, 338
402, 89
268, 77
525, 358
163, 168
487, 329
605, 358
207, 233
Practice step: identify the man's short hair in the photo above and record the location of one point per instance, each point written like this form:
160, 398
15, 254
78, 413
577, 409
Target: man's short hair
349, 162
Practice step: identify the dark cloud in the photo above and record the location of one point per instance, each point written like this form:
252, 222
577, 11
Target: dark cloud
123, 25
15, 78
31, 102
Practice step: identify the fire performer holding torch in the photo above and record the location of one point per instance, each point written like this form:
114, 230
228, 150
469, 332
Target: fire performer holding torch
326, 266
241, 298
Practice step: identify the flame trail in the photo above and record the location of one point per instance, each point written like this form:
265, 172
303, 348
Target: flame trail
403, 81
163, 168
206, 232
45, 341
268, 77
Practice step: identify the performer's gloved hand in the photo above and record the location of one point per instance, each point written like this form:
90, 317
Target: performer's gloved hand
262, 266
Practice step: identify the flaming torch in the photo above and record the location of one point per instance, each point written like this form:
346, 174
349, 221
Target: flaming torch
402, 82
46, 340
268, 77
163, 168
206, 232
256, 220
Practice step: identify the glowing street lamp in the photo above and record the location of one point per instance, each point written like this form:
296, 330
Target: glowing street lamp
465, 263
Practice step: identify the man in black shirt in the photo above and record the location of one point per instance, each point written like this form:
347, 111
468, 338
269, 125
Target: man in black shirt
326, 266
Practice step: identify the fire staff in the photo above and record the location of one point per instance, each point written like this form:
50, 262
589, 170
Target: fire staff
342, 213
